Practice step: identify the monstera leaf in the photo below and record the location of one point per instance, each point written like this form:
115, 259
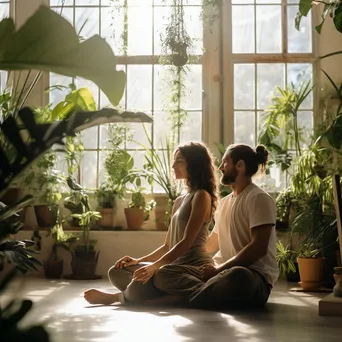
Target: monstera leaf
48, 42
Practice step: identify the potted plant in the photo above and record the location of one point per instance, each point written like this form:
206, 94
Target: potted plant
311, 266
157, 168
285, 259
138, 210
44, 179
84, 257
118, 165
53, 267
106, 199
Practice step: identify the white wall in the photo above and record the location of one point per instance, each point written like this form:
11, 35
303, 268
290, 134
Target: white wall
111, 244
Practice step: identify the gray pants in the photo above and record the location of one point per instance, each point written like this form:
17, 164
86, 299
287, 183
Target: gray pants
133, 291
236, 287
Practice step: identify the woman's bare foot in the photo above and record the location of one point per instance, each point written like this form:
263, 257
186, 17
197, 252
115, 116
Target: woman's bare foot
93, 296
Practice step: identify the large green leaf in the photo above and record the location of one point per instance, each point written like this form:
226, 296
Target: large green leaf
305, 7
338, 18
48, 42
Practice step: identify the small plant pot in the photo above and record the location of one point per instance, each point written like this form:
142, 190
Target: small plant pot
134, 218
311, 271
84, 263
53, 269
46, 215
107, 218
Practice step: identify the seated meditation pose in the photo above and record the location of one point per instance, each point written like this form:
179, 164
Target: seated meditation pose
243, 239
184, 249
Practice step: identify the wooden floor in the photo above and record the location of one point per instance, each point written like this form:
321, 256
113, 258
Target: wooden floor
289, 316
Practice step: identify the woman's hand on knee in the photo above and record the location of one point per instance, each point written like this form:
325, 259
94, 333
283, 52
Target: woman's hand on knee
126, 261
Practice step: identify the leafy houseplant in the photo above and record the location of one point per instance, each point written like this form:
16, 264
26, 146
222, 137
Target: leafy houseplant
53, 267
118, 164
84, 256
157, 167
138, 210
285, 259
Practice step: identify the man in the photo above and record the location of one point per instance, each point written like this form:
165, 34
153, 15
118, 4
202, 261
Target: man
243, 238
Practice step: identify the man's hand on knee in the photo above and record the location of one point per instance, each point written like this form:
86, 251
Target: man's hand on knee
208, 271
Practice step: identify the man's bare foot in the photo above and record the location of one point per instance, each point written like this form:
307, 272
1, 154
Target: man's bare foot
93, 296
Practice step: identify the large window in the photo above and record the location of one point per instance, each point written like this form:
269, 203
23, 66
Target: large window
263, 50
5, 8
134, 28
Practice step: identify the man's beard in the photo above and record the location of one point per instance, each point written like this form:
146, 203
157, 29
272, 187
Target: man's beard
227, 179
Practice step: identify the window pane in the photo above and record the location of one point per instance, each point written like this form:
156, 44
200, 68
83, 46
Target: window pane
67, 13
89, 170
161, 19
297, 74
112, 26
193, 21
192, 128
268, 1
87, 21
192, 84
89, 138
244, 87
3, 80
268, 77
57, 95
305, 122
139, 87
139, 136
87, 2
140, 31
242, 2
162, 128
4, 11
243, 29
162, 86
244, 128
60, 2
268, 29
102, 171
273, 182
299, 41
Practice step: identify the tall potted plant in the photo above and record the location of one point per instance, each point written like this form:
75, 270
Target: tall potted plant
53, 267
84, 255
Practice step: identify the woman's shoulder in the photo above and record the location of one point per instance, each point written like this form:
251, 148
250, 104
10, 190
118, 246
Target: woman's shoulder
202, 195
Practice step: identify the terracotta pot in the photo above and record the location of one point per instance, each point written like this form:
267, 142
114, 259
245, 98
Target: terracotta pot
134, 218
53, 269
107, 218
311, 271
46, 215
84, 263
11, 196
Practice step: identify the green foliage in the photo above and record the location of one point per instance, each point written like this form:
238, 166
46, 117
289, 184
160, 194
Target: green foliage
60, 239
16, 251
106, 196
280, 132
53, 45
331, 9
285, 259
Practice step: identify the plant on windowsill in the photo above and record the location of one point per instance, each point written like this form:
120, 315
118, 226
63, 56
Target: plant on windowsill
138, 210
157, 167
106, 198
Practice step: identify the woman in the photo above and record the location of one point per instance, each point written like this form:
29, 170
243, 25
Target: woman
184, 249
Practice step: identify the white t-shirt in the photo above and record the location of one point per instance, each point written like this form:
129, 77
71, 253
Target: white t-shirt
235, 217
